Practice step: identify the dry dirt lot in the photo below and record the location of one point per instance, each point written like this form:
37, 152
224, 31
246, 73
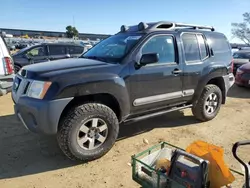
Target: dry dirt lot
28, 160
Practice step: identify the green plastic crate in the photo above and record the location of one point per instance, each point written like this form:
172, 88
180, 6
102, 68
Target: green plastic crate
143, 167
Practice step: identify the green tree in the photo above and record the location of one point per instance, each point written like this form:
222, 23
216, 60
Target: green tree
242, 30
71, 32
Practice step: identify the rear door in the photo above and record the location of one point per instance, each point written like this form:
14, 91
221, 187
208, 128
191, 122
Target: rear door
75, 51
195, 55
57, 52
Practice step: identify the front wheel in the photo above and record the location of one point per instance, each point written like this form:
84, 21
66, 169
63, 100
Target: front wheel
209, 103
88, 132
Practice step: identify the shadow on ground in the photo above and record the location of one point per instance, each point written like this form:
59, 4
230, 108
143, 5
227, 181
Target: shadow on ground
239, 92
24, 153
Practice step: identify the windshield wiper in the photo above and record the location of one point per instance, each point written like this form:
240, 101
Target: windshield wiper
95, 58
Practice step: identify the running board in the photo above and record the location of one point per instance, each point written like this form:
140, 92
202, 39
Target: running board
157, 113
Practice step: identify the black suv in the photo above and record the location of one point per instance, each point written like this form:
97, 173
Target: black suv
143, 71
45, 52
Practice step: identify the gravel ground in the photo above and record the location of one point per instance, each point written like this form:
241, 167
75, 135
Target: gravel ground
28, 160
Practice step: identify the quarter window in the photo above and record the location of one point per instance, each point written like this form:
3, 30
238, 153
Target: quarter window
163, 45
57, 50
191, 47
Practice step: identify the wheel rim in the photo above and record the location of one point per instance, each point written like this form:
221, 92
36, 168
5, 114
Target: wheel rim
211, 103
92, 133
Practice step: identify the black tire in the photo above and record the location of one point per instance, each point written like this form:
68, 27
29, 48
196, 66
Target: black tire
199, 109
69, 129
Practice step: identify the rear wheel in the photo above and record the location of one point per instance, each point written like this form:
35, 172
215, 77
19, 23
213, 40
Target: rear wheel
88, 132
208, 106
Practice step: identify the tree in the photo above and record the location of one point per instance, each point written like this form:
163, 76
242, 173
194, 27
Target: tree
242, 30
71, 32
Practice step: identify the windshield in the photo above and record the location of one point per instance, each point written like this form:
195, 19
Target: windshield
242, 55
114, 48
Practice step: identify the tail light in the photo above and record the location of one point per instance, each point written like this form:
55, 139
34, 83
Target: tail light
8, 65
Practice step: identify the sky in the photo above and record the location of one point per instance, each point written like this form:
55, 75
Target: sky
106, 17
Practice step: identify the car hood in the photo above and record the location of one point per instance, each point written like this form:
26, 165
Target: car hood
58, 67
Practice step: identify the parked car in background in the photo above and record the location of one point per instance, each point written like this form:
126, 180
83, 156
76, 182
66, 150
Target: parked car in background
243, 75
6, 68
45, 52
239, 58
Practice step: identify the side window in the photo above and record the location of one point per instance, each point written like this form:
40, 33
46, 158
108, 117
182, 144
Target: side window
35, 52
75, 50
163, 45
220, 45
203, 46
191, 47
57, 50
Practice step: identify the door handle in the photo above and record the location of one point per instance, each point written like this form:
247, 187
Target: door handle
176, 71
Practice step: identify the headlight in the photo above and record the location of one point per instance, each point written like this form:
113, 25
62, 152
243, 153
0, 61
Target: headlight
38, 89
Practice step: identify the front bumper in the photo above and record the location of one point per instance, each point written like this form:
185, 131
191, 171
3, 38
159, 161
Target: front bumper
6, 83
40, 116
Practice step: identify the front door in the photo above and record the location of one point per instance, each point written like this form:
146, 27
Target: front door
159, 84
37, 55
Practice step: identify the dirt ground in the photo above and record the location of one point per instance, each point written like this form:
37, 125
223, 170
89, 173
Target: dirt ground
28, 160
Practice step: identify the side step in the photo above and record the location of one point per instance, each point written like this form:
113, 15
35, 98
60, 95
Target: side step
157, 113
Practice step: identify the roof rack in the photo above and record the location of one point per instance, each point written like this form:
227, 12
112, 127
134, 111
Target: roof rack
164, 25
194, 26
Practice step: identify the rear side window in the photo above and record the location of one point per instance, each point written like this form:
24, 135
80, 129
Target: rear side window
75, 50
191, 47
57, 50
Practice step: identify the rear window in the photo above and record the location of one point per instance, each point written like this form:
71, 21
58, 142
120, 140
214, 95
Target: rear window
75, 50
57, 50
241, 55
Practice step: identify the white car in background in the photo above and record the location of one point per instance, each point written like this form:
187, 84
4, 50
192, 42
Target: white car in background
6, 68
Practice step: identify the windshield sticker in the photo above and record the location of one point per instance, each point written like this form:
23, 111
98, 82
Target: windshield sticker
133, 38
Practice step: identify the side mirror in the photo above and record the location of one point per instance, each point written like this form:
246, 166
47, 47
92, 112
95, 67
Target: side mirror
67, 55
149, 58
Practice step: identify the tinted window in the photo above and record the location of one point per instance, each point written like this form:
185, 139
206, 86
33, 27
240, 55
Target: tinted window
38, 51
203, 48
191, 47
163, 45
75, 50
220, 45
57, 50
